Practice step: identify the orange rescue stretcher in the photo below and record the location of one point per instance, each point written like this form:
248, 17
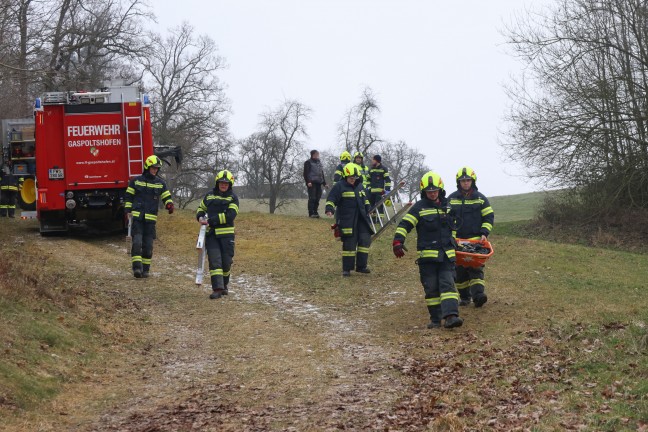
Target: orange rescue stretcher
465, 259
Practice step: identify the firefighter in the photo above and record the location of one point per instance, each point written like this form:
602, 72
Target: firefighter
348, 201
8, 192
436, 251
358, 159
380, 181
142, 201
218, 210
475, 218
345, 158
315, 181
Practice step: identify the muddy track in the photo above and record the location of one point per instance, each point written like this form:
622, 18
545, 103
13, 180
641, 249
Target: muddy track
180, 382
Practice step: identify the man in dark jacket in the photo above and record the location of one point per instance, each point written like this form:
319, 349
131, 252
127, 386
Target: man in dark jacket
436, 251
218, 209
315, 181
348, 201
8, 192
475, 218
142, 201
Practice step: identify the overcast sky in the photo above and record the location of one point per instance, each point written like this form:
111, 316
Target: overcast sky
437, 68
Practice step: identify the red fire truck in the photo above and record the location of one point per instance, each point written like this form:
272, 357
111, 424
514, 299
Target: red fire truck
88, 146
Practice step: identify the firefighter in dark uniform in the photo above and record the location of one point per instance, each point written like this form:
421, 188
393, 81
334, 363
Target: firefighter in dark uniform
436, 251
218, 209
8, 192
475, 218
348, 201
142, 201
358, 159
380, 181
345, 158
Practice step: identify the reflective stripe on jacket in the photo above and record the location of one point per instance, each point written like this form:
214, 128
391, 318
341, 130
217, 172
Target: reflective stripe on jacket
222, 206
475, 216
379, 179
350, 205
143, 197
338, 172
8, 183
433, 229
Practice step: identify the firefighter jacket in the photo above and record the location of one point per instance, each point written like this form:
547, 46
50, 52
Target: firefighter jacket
366, 177
474, 214
220, 208
8, 183
143, 197
338, 172
350, 205
379, 179
433, 228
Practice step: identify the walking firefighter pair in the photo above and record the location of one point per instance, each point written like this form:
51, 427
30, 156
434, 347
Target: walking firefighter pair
439, 221
216, 211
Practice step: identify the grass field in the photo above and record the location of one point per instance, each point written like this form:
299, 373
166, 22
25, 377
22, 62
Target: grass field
562, 343
508, 208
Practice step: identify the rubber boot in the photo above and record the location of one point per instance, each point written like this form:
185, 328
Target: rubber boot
346, 273
216, 294
453, 321
363, 270
137, 272
434, 324
481, 300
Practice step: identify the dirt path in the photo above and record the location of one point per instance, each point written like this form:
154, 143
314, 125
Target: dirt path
259, 359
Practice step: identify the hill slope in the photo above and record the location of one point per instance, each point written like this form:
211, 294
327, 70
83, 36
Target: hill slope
560, 344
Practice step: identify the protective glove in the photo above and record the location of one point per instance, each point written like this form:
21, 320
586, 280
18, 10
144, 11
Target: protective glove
337, 233
399, 248
170, 207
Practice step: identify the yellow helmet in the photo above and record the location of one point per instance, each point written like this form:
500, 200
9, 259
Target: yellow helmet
357, 155
352, 169
345, 156
466, 173
152, 161
431, 181
225, 176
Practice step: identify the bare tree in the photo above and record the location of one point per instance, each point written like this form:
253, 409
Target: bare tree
189, 108
275, 150
579, 114
66, 45
358, 129
405, 164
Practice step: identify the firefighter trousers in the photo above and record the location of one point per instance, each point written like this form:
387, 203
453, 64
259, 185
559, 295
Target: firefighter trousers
441, 296
7, 203
142, 250
355, 248
314, 196
470, 282
220, 254
375, 197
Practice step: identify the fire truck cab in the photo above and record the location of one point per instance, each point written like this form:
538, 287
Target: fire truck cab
88, 146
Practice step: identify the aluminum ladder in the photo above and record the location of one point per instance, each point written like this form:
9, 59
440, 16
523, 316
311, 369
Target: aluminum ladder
135, 153
383, 215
